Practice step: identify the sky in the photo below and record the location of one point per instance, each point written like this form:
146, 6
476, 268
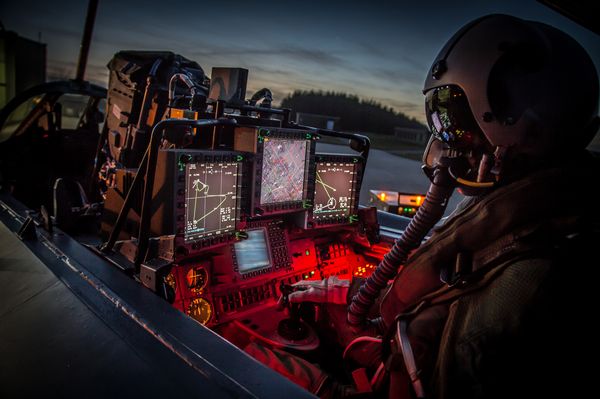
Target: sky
378, 50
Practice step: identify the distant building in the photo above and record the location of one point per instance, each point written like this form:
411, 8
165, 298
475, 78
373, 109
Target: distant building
318, 121
22, 64
412, 135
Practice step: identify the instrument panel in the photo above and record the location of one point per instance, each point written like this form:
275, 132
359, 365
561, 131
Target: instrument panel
213, 198
242, 222
234, 204
235, 280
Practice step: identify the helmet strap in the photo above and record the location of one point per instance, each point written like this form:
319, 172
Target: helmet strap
499, 156
484, 167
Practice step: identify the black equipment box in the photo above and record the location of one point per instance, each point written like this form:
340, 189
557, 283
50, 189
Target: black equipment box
138, 97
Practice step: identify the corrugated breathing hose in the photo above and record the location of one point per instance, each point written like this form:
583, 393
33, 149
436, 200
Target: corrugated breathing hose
427, 216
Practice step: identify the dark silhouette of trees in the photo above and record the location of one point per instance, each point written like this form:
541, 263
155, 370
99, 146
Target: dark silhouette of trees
355, 114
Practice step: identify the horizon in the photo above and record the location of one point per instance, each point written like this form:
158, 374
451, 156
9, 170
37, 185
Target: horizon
376, 51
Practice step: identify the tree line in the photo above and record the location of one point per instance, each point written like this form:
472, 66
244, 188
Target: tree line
355, 114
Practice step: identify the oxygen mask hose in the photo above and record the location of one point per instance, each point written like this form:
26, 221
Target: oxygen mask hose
441, 188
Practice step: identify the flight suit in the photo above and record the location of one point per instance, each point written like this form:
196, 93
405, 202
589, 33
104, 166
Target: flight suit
513, 319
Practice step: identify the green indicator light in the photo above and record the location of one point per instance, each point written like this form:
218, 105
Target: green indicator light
307, 252
261, 133
306, 204
241, 235
355, 160
183, 159
353, 218
239, 158
308, 136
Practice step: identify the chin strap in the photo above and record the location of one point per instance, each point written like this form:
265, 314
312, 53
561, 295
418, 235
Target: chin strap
409, 358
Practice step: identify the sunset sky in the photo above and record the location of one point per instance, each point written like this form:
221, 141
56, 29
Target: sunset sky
375, 49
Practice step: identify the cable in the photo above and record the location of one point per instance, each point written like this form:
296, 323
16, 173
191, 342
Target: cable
265, 94
172, 85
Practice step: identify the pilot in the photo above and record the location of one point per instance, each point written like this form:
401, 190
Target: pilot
499, 301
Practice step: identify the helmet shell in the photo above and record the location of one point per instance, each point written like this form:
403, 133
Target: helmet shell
530, 86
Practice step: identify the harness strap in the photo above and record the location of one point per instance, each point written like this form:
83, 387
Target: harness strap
472, 272
409, 357
485, 266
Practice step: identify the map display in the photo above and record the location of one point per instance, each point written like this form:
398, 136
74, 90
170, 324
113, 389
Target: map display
283, 170
210, 199
333, 189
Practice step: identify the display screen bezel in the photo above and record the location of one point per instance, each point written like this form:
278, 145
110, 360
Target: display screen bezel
265, 165
264, 135
190, 238
317, 215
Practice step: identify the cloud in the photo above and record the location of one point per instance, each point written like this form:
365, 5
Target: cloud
260, 70
64, 31
402, 76
297, 53
61, 70
413, 110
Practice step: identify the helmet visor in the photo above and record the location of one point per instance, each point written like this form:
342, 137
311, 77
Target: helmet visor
450, 118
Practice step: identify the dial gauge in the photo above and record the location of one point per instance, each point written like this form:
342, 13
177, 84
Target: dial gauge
170, 281
196, 279
200, 310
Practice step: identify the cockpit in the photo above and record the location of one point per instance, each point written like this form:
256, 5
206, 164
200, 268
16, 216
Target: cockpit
232, 204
